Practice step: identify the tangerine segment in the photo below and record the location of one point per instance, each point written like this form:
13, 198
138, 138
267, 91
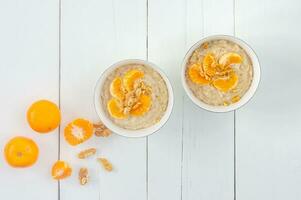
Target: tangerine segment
61, 170
43, 116
226, 84
21, 152
115, 109
116, 88
145, 102
209, 64
130, 77
230, 58
78, 131
195, 76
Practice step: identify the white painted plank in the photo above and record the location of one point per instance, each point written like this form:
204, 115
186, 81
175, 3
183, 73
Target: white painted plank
29, 71
268, 128
167, 48
96, 34
208, 138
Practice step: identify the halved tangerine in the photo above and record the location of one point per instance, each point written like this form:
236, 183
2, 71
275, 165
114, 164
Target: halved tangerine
116, 88
61, 170
230, 58
78, 131
130, 77
115, 109
195, 75
226, 84
145, 103
21, 152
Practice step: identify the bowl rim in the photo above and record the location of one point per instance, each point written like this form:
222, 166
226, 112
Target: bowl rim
128, 132
247, 96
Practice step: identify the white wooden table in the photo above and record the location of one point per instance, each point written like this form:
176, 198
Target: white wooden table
56, 49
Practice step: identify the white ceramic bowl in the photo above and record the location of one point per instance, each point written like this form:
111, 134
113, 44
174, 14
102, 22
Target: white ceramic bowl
249, 94
122, 131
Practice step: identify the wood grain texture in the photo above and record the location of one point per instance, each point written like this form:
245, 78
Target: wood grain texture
208, 138
96, 34
268, 128
166, 49
29, 71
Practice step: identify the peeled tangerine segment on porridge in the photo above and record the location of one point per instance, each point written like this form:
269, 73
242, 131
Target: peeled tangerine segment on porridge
115, 109
226, 84
144, 103
130, 77
78, 131
116, 88
61, 170
209, 64
195, 75
230, 58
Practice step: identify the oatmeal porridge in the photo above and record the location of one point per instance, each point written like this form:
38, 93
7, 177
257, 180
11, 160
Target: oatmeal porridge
134, 96
219, 72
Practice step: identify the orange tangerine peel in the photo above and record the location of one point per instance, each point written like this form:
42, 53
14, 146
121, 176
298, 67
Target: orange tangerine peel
21, 152
61, 170
78, 131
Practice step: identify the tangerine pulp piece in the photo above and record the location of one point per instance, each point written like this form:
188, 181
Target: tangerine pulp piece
230, 58
227, 84
130, 77
61, 170
116, 88
115, 109
195, 75
145, 104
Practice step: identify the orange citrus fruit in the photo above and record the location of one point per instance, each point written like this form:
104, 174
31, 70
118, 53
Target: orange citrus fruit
115, 109
145, 104
195, 75
78, 131
130, 77
209, 64
116, 89
230, 58
43, 116
21, 152
226, 84
61, 170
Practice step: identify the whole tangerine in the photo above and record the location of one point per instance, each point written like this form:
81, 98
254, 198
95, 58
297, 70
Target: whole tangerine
43, 116
21, 152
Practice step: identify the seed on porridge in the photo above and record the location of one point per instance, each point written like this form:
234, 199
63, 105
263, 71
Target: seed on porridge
86, 153
216, 69
134, 96
106, 164
235, 99
83, 176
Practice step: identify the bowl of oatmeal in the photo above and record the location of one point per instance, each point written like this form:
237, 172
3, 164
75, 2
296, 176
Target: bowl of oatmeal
220, 73
133, 98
